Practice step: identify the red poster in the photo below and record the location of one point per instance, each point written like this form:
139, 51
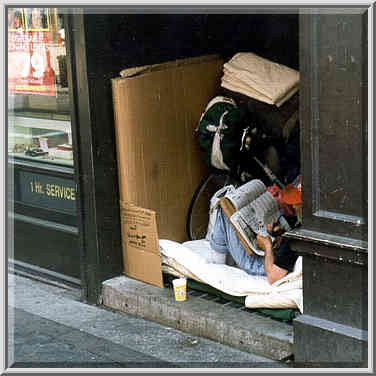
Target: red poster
29, 63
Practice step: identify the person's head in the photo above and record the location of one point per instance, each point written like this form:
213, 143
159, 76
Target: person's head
292, 195
17, 20
36, 18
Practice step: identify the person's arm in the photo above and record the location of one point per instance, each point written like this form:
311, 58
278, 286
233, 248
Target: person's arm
273, 272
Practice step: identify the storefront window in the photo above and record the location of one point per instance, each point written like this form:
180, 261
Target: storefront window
39, 123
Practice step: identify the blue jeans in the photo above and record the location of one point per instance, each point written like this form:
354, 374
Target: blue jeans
224, 239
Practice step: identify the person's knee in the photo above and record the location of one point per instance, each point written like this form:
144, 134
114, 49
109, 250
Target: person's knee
217, 245
218, 237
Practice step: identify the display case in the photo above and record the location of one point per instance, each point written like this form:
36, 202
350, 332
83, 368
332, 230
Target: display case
41, 139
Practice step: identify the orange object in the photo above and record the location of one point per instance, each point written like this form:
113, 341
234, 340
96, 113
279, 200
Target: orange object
286, 209
292, 193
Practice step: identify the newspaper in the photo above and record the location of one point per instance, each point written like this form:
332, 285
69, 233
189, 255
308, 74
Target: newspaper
246, 193
249, 208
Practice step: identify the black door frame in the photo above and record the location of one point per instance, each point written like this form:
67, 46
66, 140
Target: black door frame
99, 233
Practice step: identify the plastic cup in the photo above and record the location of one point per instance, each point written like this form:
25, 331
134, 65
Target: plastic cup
180, 289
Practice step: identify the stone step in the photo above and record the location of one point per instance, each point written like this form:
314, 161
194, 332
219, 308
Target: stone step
222, 323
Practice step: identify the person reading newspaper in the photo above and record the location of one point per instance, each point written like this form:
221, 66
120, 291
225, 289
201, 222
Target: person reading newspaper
265, 252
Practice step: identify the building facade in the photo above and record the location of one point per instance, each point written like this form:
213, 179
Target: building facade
65, 205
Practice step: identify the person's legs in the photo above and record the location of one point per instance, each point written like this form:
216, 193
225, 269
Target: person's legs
218, 239
224, 239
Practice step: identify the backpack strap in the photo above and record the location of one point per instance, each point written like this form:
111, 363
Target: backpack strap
216, 154
215, 100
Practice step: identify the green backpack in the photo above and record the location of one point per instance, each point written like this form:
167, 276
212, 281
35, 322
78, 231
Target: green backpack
220, 133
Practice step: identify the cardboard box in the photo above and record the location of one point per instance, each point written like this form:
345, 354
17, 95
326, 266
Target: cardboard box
157, 109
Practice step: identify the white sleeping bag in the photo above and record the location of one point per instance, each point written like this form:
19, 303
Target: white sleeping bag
197, 260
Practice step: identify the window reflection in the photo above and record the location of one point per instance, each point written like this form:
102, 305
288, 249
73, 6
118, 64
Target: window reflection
38, 98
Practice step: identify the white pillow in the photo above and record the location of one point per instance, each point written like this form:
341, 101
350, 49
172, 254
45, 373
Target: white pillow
298, 267
287, 299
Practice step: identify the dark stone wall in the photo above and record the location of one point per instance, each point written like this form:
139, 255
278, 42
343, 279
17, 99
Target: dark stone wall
336, 291
334, 110
120, 41
333, 236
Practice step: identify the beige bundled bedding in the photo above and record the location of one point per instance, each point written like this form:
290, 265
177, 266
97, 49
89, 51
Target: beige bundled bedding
259, 78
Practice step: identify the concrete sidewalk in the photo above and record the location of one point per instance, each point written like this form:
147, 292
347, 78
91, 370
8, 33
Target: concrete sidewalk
50, 327
228, 323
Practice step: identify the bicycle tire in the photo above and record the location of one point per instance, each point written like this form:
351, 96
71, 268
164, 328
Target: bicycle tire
199, 207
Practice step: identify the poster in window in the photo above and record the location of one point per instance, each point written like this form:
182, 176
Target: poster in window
36, 19
16, 20
30, 68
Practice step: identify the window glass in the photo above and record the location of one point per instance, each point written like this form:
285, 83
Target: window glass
39, 124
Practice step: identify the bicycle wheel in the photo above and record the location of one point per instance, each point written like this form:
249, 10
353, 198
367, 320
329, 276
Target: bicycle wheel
198, 212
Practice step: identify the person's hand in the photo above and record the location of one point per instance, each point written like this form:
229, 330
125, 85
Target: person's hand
271, 227
264, 243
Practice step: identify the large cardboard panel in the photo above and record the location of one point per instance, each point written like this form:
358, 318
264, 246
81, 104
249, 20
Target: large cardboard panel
157, 109
159, 160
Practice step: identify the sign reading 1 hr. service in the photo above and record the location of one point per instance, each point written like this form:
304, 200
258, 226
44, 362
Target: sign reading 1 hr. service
47, 191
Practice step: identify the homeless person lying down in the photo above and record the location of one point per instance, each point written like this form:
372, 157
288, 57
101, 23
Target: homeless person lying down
279, 259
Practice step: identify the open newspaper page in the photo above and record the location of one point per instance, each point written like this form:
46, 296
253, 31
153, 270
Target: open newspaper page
246, 193
247, 236
249, 221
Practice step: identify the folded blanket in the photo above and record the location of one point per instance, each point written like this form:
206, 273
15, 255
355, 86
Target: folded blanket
260, 78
